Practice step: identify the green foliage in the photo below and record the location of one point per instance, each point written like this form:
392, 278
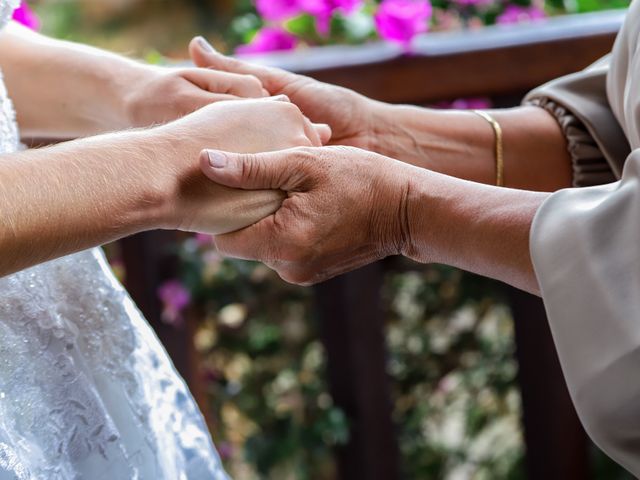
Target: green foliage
258, 341
451, 357
450, 345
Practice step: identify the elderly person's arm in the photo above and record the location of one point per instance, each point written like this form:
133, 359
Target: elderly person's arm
457, 143
347, 207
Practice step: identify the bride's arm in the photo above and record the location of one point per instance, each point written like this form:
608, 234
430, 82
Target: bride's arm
65, 90
62, 199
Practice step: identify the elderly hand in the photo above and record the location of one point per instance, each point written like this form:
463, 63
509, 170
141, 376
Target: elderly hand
352, 117
156, 95
344, 208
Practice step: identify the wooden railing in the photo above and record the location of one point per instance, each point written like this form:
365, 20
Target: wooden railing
501, 62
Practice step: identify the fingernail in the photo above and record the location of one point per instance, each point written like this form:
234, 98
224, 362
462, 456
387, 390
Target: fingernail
205, 45
217, 159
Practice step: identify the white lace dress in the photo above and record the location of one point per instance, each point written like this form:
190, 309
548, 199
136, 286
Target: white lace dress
86, 389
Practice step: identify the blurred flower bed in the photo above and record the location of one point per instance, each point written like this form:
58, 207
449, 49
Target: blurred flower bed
450, 357
450, 338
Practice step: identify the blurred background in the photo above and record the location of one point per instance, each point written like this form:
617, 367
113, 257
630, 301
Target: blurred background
398, 370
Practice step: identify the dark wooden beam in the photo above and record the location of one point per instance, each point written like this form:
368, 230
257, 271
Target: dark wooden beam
557, 446
492, 61
352, 329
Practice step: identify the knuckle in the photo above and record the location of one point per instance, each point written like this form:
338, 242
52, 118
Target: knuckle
305, 155
250, 166
253, 82
291, 109
302, 140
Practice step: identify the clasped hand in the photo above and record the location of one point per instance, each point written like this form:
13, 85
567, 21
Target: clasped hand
312, 212
344, 207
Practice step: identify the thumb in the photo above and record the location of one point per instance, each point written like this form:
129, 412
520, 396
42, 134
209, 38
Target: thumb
204, 55
274, 170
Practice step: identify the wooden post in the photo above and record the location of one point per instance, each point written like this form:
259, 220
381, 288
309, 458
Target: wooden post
353, 334
557, 446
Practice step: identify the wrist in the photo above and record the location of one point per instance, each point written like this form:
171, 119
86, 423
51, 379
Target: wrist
126, 87
381, 127
405, 132
157, 171
391, 225
426, 216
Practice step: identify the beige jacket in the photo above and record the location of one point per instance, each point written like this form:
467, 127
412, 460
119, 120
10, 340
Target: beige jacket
585, 245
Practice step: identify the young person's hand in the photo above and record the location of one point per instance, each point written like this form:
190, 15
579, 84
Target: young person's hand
157, 95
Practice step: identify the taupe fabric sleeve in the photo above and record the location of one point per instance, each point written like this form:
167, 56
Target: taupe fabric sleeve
597, 143
586, 251
585, 248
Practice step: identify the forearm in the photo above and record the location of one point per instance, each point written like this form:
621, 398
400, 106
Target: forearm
462, 144
478, 228
63, 199
62, 89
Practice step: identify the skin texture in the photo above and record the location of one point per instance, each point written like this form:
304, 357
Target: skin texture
456, 143
348, 207
62, 199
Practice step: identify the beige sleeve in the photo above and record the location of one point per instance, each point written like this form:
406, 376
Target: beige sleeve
596, 141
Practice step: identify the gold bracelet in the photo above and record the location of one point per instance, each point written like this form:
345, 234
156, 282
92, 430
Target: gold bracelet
499, 147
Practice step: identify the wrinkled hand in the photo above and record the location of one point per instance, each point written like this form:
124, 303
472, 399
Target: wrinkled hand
349, 114
244, 126
345, 208
157, 95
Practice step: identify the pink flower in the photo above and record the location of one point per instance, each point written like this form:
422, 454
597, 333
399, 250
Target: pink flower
473, 2
479, 103
24, 15
225, 450
175, 298
203, 239
279, 9
518, 14
323, 10
401, 20
471, 104
269, 39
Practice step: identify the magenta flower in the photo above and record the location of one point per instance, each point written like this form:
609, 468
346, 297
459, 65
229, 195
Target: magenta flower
269, 39
471, 103
476, 103
401, 20
24, 15
277, 10
478, 3
225, 450
203, 239
323, 10
175, 298
518, 14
